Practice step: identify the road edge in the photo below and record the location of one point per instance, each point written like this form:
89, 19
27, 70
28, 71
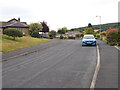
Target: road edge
26, 53
117, 47
92, 86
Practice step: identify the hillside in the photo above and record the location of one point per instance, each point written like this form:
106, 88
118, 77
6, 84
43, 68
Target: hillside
103, 26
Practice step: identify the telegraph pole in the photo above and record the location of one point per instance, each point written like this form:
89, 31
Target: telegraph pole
100, 25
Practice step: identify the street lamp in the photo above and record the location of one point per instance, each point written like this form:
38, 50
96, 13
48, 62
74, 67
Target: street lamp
100, 25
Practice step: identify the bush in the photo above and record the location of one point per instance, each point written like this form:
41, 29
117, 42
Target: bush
35, 34
66, 38
112, 43
104, 38
13, 32
112, 38
118, 43
71, 37
82, 34
78, 35
119, 38
61, 37
97, 35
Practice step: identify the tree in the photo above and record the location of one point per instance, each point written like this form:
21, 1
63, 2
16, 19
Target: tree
35, 34
35, 27
45, 27
62, 30
89, 31
81, 31
78, 35
13, 32
82, 34
90, 25
53, 33
112, 38
74, 29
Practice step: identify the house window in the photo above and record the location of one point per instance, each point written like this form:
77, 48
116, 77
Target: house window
19, 29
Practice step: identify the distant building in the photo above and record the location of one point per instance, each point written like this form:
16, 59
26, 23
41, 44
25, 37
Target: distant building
14, 23
73, 33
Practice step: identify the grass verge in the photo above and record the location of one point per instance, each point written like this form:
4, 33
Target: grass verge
8, 44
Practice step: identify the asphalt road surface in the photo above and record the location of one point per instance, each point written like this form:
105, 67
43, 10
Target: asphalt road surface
108, 73
66, 65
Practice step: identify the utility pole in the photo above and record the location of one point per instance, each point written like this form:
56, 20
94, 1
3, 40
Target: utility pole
100, 25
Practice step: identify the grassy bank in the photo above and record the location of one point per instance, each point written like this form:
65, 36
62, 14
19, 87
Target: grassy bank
10, 45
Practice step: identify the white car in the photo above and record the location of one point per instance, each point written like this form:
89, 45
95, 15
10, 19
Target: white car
88, 39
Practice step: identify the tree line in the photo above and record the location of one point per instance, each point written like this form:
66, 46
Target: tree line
104, 27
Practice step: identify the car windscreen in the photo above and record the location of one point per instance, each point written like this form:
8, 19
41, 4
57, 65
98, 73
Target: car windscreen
88, 37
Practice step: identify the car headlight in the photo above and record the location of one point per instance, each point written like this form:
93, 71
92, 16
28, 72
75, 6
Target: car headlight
83, 41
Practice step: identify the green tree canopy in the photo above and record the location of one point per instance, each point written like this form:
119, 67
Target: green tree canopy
90, 25
35, 34
89, 31
35, 27
62, 30
78, 35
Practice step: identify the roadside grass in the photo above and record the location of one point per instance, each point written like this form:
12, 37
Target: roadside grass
8, 44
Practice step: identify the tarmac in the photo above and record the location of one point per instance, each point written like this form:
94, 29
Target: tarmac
108, 74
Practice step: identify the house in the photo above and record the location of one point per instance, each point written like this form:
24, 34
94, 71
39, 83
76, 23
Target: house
14, 23
73, 33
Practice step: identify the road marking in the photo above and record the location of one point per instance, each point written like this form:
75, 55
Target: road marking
92, 86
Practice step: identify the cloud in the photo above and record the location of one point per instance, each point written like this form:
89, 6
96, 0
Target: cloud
60, 13
15, 11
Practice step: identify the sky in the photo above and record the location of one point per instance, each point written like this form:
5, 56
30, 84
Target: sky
60, 13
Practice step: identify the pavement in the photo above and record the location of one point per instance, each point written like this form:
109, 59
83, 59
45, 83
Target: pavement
65, 65
108, 74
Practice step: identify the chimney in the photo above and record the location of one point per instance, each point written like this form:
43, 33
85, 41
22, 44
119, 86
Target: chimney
18, 19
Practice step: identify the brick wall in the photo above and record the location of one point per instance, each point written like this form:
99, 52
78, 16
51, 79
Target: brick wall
25, 31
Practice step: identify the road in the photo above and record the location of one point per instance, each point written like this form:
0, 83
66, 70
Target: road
108, 73
66, 65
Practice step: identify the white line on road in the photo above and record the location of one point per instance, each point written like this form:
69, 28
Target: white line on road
96, 70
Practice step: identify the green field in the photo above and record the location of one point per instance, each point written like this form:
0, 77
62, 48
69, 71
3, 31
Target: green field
8, 44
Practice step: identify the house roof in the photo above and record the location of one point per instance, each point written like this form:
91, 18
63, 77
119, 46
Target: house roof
13, 20
17, 24
12, 23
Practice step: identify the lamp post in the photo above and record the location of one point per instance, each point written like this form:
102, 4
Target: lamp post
100, 25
